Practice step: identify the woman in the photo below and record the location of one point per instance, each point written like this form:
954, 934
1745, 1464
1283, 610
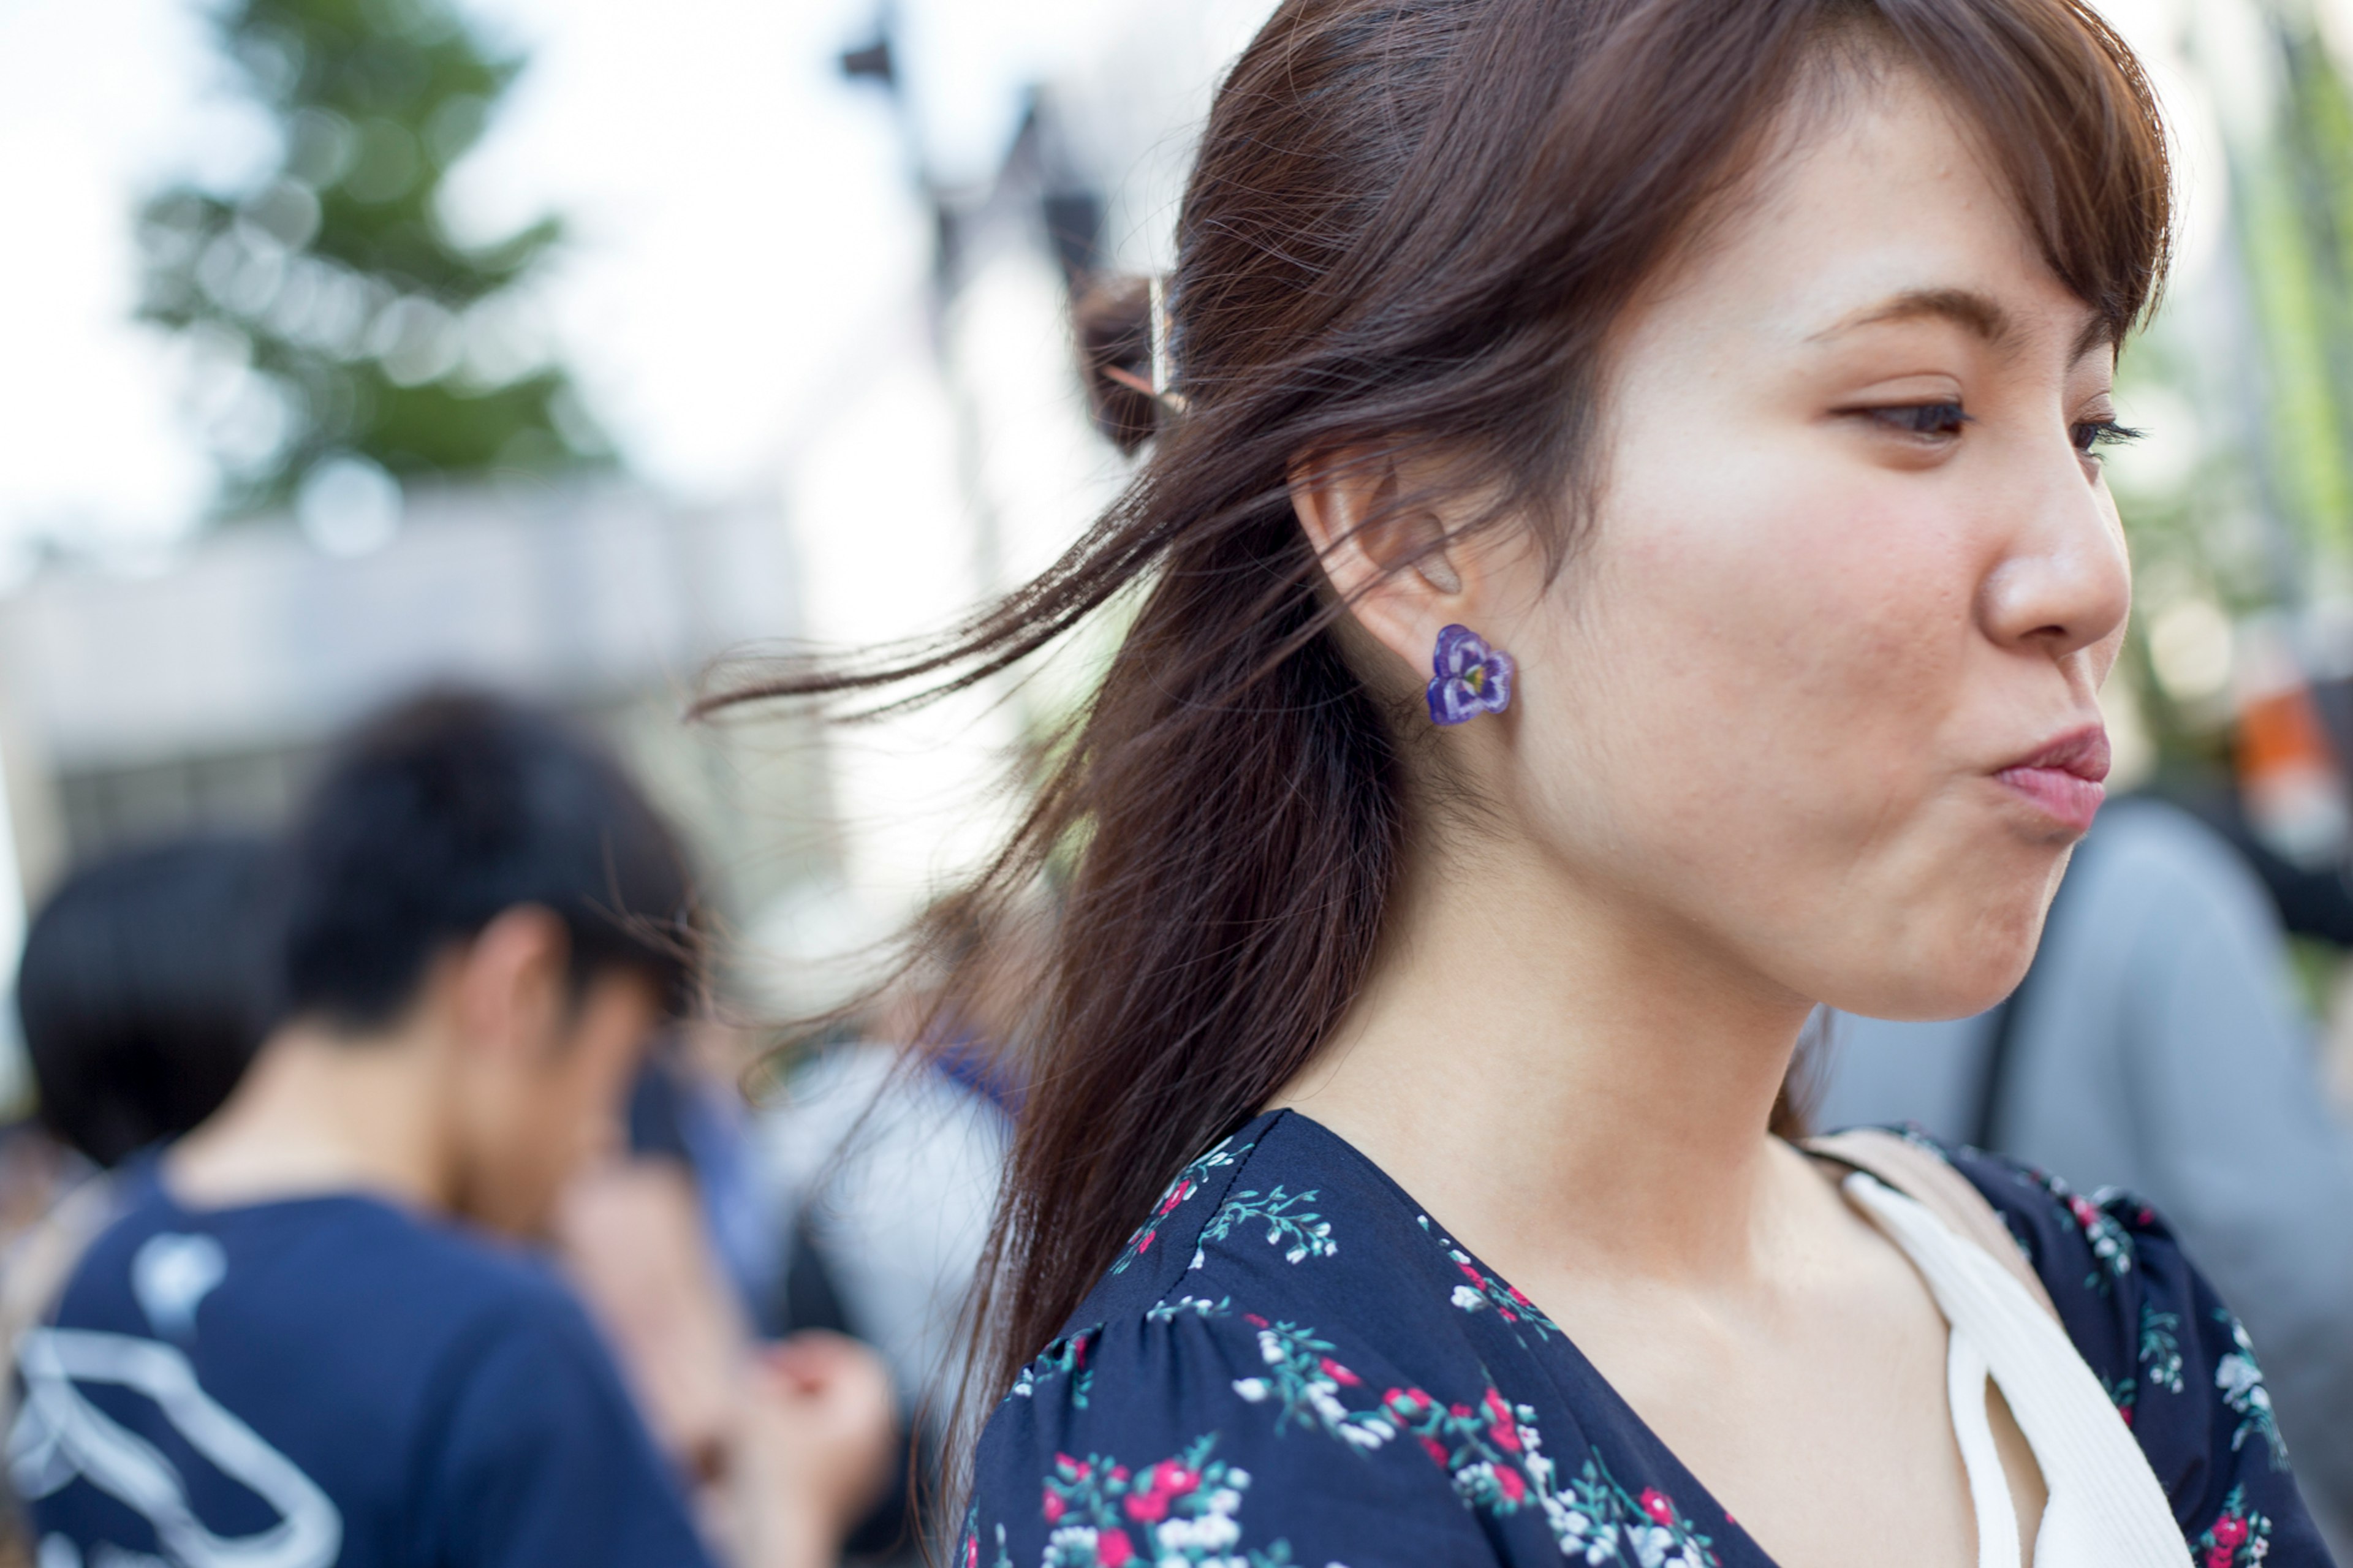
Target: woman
1624, 561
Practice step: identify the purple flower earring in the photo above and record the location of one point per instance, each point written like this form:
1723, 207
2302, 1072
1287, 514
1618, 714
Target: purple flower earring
1469, 678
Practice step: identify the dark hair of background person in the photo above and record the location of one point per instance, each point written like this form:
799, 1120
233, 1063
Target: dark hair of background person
143, 990
1410, 230
446, 811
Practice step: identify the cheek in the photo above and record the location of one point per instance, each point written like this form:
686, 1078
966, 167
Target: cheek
1760, 647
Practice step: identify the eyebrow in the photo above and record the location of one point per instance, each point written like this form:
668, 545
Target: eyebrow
1979, 315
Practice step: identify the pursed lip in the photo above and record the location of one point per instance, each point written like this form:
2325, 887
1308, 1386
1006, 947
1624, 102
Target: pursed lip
2063, 778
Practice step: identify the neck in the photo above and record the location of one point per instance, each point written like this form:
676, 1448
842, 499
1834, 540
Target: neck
322, 1112
1546, 1068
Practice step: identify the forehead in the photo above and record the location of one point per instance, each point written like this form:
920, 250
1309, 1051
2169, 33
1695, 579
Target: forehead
1872, 204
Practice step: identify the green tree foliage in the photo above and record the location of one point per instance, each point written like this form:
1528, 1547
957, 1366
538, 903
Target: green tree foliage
2246, 377
2298, 222
335, 313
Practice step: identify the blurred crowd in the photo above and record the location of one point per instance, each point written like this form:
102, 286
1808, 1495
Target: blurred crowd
337, 1129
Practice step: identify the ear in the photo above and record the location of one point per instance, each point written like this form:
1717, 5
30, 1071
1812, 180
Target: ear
512, 991
1384, 550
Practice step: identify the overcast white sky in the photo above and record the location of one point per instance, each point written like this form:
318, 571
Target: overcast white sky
743, 217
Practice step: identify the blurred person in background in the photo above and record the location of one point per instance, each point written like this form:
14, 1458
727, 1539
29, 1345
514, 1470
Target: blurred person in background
887, 1163
141, 994
688, 1108
2157, 1045
631, 1231
142, 990
646, 1233
303, 1336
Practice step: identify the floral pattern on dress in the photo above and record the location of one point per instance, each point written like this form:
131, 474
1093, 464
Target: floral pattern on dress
2239, 1538
1491, 1452
2240, 1377
1189, 1306
2158, 1355
1494, 1455
1301, 1233
967, 1553
1066, 1357
1448, 1465
1172, 1199
1300, 1371
1476, 1446
1177, 1512
1483, 1291
2160, 1347
2124, 1394
1596, 1518
2111, 1243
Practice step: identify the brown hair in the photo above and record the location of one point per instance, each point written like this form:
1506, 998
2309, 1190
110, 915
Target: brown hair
1412, 224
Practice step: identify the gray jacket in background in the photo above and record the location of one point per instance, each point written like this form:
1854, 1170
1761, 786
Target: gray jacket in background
2158, 1046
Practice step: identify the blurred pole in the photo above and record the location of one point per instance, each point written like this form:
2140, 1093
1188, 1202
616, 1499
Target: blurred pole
878, 62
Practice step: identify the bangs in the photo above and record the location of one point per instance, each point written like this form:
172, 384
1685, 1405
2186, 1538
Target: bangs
2070, 119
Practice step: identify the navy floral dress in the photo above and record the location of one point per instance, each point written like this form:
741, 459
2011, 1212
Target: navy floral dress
1291, 1363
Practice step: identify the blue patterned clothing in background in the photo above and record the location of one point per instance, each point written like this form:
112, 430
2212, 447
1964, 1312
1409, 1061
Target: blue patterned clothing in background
1293, 1363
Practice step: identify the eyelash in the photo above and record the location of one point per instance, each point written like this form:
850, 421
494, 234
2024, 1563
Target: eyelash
1946, 419
2094, 434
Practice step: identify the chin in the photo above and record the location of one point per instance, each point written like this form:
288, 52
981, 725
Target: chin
1953, 976
1956, 998
1970, 920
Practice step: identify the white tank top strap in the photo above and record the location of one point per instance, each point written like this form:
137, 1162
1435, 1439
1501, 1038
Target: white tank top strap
1965, 1379
2106, 1509
1920, 1172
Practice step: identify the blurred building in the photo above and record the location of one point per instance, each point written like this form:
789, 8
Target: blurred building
199, 695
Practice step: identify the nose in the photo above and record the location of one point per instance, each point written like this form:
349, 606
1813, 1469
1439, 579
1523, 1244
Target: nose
2062, 583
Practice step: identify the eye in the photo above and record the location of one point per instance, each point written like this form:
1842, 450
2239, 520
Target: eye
1930, 419
2091, 434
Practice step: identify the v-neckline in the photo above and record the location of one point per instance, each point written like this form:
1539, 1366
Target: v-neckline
1687, 1488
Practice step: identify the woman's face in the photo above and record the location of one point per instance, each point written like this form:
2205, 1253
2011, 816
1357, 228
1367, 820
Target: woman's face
1820, 687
